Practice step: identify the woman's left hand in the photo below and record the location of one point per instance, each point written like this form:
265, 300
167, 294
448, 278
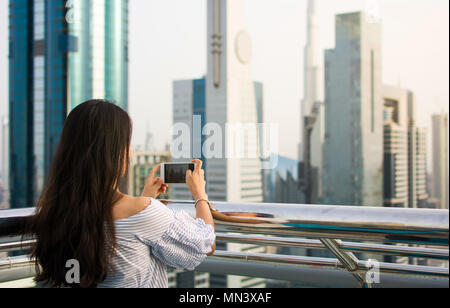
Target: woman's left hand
154, 185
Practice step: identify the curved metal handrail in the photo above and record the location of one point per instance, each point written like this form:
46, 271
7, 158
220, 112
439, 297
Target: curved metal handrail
323, 226
388, 225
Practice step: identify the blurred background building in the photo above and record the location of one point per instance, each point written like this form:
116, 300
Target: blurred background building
312, 123
281, 184
395, 148
417, 158
189, 109
230, 98
353, 148
61, 54
440, 160
405, 151
141, 164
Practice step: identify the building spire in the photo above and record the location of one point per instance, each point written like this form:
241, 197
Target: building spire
312, 7
311, 60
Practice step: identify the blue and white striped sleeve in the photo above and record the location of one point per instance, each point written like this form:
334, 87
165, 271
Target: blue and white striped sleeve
185, 243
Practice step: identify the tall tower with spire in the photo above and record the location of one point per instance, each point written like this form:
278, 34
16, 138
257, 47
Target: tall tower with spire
312, 82
312, 112
230, 99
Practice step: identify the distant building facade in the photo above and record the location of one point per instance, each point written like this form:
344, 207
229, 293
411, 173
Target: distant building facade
61, 54
405, 151
440, 160
189, 108
313, 130
281, 185
353, 147
395, 153
417, 158
141, 164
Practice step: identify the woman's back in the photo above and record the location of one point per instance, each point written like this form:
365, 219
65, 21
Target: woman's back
153, 239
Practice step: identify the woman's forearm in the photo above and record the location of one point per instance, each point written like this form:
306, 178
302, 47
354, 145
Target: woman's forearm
203, 211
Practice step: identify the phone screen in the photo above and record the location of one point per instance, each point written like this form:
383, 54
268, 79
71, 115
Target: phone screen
176, 173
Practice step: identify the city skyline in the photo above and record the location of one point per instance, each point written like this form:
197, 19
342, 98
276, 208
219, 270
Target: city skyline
355, 147
277, 94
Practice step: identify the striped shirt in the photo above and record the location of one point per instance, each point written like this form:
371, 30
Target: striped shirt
154, 239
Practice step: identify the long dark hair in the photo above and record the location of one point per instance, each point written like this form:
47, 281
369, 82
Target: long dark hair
74, 218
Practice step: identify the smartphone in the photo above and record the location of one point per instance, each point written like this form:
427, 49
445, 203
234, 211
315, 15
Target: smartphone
175, 173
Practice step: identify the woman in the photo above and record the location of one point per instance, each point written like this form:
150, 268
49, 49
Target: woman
117, 240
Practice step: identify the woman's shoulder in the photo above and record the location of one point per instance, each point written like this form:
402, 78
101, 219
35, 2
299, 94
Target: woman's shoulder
134, 207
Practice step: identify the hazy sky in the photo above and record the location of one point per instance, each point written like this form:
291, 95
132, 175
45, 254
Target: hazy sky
168, 42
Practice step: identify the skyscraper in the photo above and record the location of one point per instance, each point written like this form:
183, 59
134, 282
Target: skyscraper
396, 189
62, 53
227, 95
440, 159
405, 151
189, 108
353, 148
313, 130
230, 99
311, 61
417, 158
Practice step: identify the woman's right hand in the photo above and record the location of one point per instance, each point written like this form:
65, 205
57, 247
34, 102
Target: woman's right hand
195, 181
154, 186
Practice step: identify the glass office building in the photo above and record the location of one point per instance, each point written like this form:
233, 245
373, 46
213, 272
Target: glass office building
353, 146
189, 108
61, 53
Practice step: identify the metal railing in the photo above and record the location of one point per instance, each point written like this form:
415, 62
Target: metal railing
343, 231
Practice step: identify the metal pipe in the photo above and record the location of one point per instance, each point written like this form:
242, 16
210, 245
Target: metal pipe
406, 269
414, 252
13, 246
279, 259
9, 263
389, 225
363, 266
309, 276
270, 241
